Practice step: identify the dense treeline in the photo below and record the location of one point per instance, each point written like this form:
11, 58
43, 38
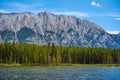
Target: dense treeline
36, 54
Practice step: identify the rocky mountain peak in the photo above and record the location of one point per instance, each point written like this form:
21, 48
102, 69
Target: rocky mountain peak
47, 27
118, 33
45, 13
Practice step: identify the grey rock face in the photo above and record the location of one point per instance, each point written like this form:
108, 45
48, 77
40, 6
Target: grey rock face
116, 38
60, 29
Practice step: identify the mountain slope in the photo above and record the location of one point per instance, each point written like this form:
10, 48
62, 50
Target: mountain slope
47, 27
116, 37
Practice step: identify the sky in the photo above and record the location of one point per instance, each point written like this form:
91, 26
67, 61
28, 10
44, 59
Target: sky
105, 13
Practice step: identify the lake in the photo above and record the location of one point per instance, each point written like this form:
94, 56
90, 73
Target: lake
60, 73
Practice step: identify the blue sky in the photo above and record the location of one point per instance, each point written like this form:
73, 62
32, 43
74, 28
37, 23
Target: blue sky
105, 13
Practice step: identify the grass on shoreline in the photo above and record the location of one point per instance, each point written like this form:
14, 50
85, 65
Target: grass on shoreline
61, 64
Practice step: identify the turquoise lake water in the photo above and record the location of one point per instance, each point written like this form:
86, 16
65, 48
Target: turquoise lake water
60, 73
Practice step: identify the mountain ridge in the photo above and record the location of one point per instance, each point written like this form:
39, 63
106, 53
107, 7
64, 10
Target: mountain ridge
61, 29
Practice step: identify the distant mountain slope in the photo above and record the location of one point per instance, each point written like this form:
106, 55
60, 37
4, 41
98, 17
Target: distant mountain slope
60, 29
116, 37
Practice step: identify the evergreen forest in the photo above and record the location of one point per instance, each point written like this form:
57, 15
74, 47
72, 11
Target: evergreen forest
23, 53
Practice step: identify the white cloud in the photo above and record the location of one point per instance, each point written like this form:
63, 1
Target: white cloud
72, 13
35, 7
114, 14
4, 11
117, 18
19, 5
23, 6
113, 32
95, 4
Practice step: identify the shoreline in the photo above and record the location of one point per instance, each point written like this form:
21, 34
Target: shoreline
62, 64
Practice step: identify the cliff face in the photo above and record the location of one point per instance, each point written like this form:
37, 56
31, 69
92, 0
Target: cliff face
60, 29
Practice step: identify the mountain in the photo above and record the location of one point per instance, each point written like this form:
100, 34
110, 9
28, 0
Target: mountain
116, 37
47, 27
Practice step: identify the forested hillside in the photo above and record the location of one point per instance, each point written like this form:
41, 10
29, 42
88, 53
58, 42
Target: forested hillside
36, 54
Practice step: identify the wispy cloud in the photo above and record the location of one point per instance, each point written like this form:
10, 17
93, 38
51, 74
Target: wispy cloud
19, 5
114, 14
23, 6
95, 4
4, 11
117, 18
113, 32
73, 13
